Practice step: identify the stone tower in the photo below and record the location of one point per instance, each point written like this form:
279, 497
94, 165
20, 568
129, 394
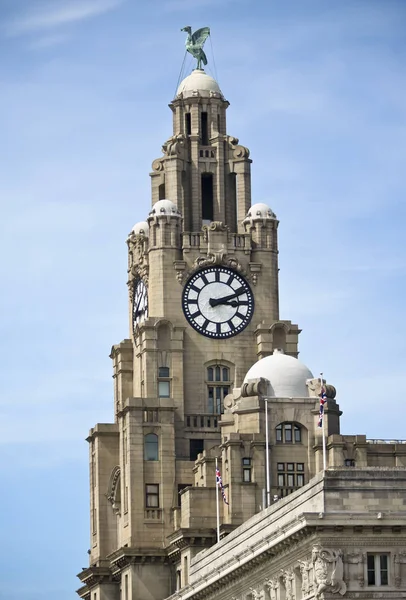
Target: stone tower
203, 308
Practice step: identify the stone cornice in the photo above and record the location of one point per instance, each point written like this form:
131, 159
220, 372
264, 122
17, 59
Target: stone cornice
129, 556
94, 576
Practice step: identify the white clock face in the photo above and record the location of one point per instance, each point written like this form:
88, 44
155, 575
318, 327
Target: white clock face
140, 302
218, 302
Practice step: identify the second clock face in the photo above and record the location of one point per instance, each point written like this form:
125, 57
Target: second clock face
140, 302
218, 302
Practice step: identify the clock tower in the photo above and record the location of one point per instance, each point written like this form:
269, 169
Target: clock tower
203, 308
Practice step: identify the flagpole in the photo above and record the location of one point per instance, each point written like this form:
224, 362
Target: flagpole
323, 429
217, 506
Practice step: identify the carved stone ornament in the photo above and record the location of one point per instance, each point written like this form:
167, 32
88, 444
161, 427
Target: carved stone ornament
257, 594
137, 252
288, 581
174, 146
214, 226
305, 566
137, 272
114, 491
158, 164
272, 585
215, 258
238, 151
358, 558
314, 386
328, 571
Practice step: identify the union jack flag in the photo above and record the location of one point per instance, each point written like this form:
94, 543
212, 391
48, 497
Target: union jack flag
219, 482
323, 400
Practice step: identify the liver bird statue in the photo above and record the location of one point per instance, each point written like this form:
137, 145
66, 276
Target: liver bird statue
195, 42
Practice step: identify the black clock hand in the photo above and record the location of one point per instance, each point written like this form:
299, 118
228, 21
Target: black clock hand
225, 299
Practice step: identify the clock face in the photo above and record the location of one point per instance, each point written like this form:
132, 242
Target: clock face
218, 302
140, 302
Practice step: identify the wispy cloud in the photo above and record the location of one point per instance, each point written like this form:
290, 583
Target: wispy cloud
49, 41
54, 15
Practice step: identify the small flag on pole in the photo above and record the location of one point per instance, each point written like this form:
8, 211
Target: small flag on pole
219, 482
323, 400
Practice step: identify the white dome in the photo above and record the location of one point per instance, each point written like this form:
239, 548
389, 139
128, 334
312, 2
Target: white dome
198, 82
141, 227
260, 211
287, 375
164, 207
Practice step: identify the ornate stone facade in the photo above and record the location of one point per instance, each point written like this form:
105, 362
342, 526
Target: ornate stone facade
184, 398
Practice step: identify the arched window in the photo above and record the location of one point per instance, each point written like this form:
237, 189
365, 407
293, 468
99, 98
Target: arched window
218, 386
288, 433
151, 446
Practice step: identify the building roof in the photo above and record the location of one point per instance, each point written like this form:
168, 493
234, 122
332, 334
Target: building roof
286, 374
198, 82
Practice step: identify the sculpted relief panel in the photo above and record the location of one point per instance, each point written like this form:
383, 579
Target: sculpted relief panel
328, 571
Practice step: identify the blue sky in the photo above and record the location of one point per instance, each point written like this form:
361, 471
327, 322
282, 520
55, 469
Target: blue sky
317, 92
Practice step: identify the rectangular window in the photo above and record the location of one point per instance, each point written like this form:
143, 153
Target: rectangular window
163, 372
195, 447
288, 432
290, 467
152, 495
164, 389
188, 124
246, 470
377, 569
150, 416
349, 462
279, 433
281, 480
300, 480
281, 466
291, 480
299, 467
298, 434
207, 197
204, 130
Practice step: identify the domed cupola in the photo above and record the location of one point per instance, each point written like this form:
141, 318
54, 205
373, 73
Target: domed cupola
287, 375
165, 224
262, 223
198, 83
141, 228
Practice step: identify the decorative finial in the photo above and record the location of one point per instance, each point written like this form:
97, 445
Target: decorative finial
195, 42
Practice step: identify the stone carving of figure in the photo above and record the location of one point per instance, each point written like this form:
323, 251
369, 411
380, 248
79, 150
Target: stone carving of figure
256, 595
272, 586
288, 578
304, 571
328, 571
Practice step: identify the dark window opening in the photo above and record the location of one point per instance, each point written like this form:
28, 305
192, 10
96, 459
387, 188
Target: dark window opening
188, 124
196, 447
161, 192
207, 197
349, 462
163, 372
218, 123
204, 130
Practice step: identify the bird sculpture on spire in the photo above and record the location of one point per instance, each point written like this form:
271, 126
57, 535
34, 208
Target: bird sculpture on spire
195, 42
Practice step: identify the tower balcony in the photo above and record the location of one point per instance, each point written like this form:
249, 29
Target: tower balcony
208, 152
209, 421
